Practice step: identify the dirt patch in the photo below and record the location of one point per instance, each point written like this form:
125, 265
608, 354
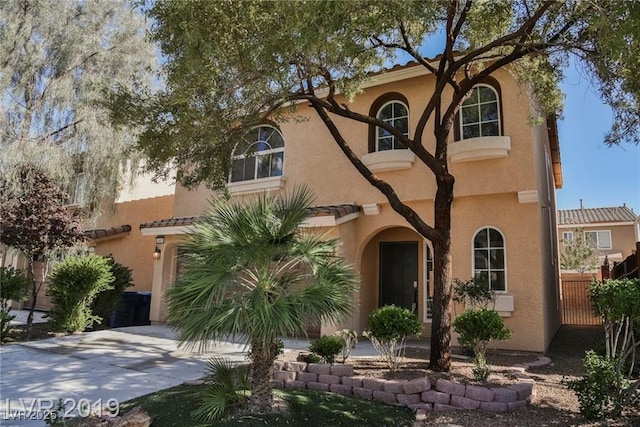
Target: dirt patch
39, 331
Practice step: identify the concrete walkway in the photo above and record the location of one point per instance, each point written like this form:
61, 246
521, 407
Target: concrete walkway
116, 364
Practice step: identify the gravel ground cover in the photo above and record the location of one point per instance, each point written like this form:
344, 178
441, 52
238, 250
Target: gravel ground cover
552, 405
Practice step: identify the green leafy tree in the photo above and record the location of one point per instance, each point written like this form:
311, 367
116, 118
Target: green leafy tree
56, 61
230, 65
14, 286
251, 272
577, 254
74, 284
35, 221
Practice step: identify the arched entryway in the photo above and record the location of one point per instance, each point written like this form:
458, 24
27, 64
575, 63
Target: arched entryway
395, 268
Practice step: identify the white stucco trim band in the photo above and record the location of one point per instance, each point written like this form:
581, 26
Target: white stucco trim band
328, 220
256, 185
481, 148
528, 196
165, 231
389, 160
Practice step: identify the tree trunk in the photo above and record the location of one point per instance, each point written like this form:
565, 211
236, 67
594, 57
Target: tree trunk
261, 400
440, 358
31, 277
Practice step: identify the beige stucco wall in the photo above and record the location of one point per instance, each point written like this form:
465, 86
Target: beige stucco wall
133, 249
623, 237
486, 195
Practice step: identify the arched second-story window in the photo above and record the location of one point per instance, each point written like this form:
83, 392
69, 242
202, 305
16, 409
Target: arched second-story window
260, 154
489, 261
480, 113
395, 113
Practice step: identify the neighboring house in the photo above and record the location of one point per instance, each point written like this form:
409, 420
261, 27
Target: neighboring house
611, 231
504, 217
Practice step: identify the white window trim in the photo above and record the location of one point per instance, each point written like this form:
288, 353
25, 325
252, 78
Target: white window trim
425, 277
258, 154
393, 101
256, 185
498, 100
598, 240
569, 234
504, 249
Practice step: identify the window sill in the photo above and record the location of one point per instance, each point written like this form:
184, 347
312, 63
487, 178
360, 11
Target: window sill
256, 185
504, 305
482, 148
389, 160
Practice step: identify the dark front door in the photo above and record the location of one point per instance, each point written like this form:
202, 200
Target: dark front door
399, 274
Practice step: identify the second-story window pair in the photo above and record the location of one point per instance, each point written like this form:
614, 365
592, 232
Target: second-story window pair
479, 116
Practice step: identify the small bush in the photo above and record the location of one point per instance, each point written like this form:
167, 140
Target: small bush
308, 358
327, 347
599, 391
228, 391
349, 340
108, 301
74, 284
476, 328
389, 327
14, 286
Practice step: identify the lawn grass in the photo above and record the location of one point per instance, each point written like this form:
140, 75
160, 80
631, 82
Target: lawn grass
173, 407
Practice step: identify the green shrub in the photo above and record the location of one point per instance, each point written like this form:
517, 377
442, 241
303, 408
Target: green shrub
228, 391
309, 358
349, 339
14, 286
389, 327
110, 300
599, 390
74, 284
327, 347
474, 293
476, 328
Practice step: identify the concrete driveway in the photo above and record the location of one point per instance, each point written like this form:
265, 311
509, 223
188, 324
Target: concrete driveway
115, 364
104, 367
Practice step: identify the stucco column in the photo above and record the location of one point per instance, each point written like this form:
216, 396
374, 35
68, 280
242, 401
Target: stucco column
156, 289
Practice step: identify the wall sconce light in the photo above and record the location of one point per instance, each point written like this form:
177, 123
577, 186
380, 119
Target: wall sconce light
156, 253
92, 249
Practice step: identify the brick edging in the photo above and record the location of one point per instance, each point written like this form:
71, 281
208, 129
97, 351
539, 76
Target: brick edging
418, 394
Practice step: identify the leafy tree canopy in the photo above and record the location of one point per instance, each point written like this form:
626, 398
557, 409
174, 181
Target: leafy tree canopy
35, 218
231, 63
56, 61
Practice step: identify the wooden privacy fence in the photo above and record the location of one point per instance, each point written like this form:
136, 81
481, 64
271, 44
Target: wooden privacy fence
576, 304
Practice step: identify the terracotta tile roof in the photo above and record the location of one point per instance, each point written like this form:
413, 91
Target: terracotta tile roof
182, 221
338, 211
595, 215
101, 233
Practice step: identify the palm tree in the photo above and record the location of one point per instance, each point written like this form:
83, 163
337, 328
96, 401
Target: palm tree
252, 272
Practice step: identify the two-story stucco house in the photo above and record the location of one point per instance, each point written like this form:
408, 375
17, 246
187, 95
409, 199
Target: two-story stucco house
611, 231
504, 219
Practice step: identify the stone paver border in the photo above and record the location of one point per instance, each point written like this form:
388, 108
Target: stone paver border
419, 394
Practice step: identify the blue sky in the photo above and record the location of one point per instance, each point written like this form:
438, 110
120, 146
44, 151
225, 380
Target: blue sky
599, 175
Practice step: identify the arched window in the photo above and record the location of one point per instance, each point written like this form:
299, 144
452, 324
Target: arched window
260, 154
480, 113
489, 264
397, 115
